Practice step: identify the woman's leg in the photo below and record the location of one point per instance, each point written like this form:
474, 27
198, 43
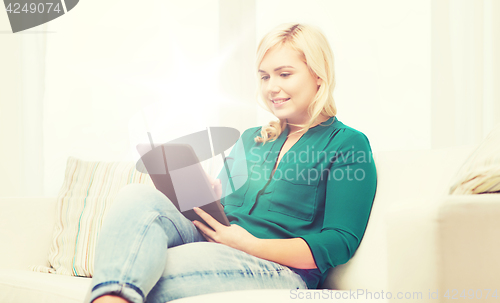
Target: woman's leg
205, 267
131, 252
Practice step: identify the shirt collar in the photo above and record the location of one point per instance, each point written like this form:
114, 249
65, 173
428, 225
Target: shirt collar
322, 125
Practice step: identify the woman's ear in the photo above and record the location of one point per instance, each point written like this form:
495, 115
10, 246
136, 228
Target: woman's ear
319, 81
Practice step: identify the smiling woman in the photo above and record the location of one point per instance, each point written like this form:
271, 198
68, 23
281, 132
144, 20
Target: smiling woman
289, 88
290, 221
292, 68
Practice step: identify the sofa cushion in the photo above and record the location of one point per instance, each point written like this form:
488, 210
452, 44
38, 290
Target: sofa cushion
88, 190
480, 174
21, 286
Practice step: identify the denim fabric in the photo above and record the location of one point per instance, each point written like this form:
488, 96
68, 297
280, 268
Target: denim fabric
147, 251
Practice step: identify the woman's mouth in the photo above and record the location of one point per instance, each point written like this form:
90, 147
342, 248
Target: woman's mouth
279, 102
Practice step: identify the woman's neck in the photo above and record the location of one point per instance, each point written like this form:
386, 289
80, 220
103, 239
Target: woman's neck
299, 131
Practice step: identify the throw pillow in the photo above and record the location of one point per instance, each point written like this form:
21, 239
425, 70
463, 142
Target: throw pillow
480, 174
88, 190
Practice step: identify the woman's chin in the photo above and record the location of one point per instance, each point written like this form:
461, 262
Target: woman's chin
282, 114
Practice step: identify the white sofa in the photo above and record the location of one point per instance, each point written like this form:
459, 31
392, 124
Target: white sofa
418, 241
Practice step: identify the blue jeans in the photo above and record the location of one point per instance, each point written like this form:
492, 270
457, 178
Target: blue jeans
147, 251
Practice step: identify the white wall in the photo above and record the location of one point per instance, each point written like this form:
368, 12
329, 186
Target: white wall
105, 66
382, 63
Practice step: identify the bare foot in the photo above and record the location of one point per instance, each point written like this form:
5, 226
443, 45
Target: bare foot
110, 299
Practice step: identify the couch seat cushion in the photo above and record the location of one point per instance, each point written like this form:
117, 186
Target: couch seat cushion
22, 286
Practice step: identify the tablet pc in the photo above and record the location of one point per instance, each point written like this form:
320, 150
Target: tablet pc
176, 172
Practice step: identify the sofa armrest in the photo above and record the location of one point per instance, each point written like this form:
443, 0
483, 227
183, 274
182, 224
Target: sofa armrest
413, 251
453, 244
470, 239
26, 229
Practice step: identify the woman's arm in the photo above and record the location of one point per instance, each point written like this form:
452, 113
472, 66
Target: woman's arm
289, 252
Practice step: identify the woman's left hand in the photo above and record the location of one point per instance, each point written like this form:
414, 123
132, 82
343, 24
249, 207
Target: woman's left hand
234, 236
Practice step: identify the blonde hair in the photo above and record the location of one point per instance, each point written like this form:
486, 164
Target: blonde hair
310, 42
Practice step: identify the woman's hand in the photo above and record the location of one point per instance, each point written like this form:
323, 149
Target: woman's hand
292, 252
234, 236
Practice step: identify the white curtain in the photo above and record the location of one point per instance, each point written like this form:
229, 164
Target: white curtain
22, 87
465, 70
33, 80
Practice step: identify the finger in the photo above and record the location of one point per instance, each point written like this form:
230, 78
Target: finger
207, 218
205, 230
208, 238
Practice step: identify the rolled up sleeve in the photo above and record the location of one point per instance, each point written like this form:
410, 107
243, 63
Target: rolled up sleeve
350, 191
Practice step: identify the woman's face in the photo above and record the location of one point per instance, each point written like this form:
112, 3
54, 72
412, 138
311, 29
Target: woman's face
286, 78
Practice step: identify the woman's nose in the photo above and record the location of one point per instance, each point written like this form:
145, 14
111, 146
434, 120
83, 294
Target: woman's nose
273, 86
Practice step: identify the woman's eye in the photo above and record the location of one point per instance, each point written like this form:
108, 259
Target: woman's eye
264, 77
284, 75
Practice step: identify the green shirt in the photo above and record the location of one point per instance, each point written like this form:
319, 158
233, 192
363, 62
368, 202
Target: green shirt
322, 191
